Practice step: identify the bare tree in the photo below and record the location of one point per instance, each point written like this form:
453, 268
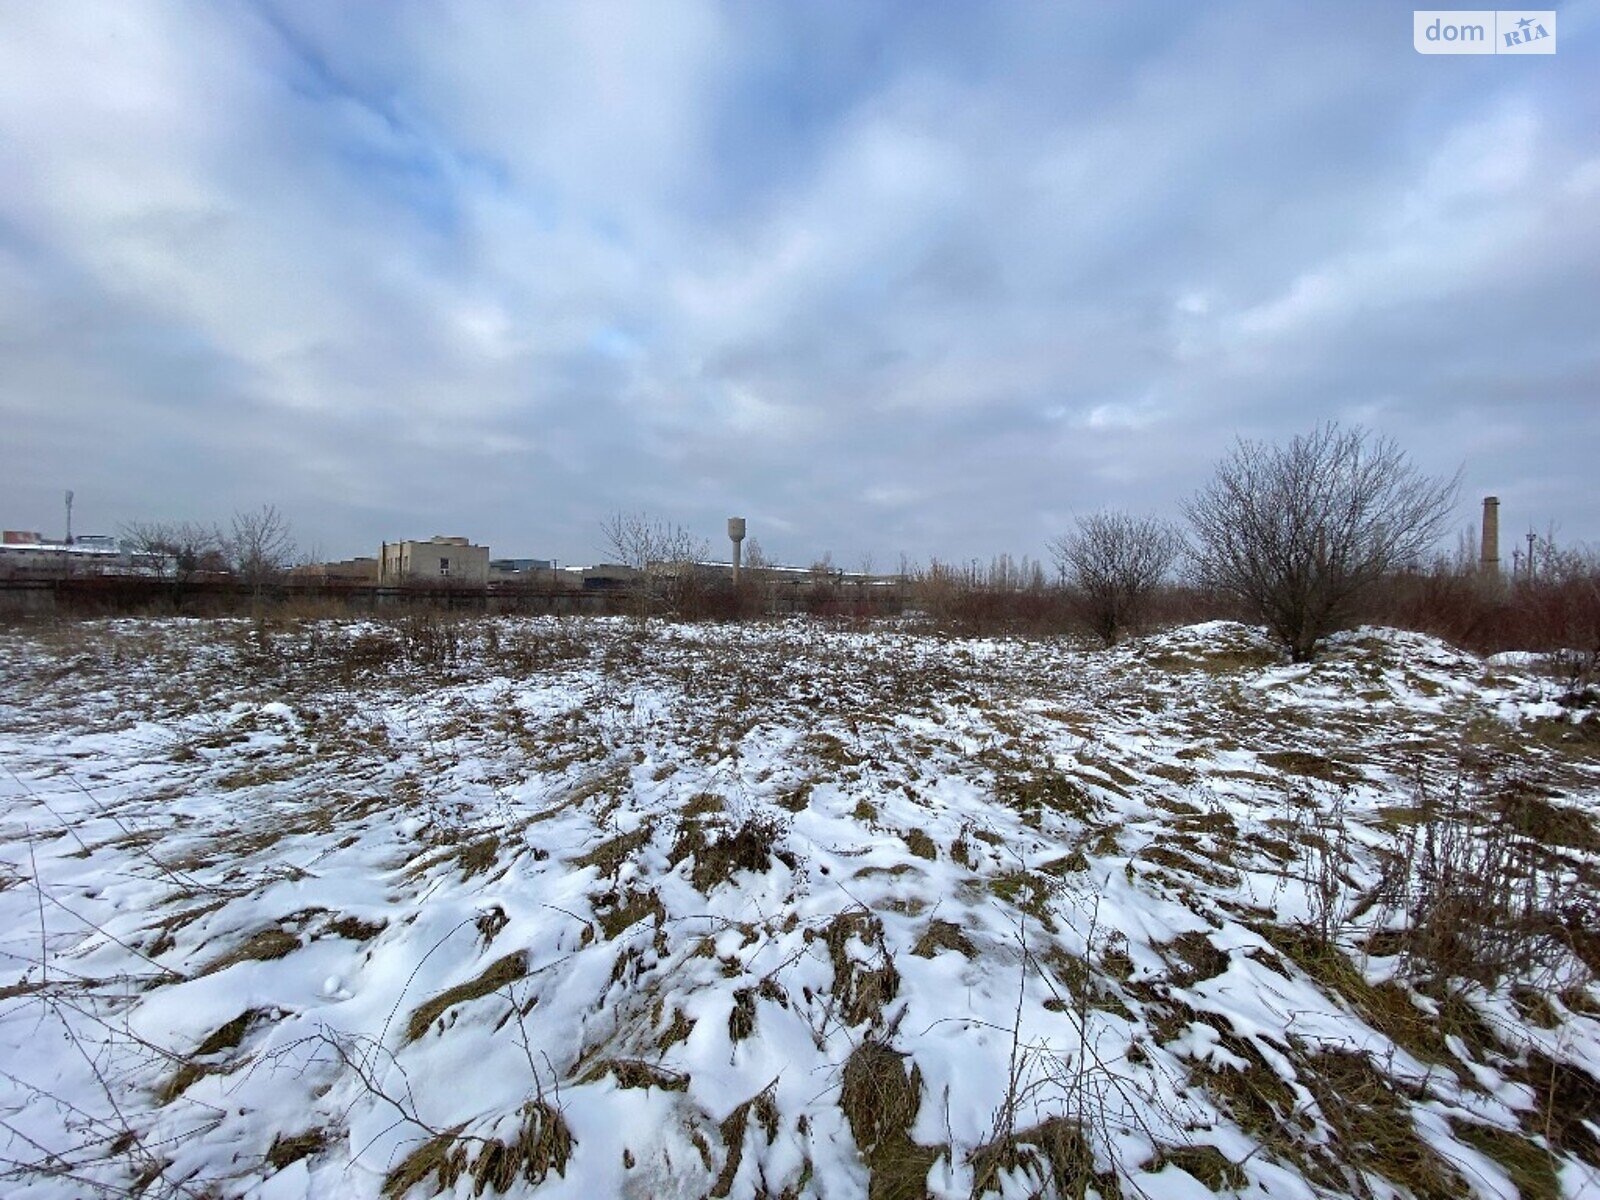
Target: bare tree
755, 558
758, 578
666, 557
640, 541
175, 550
1302, 533
262, 546
1113, 563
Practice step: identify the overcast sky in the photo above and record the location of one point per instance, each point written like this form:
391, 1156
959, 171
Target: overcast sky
920, 279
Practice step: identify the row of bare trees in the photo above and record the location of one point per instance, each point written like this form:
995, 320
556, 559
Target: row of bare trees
1300, 537
257, 547
1306, 537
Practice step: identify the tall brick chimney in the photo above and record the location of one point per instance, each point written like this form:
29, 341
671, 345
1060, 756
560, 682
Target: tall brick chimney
1489, 562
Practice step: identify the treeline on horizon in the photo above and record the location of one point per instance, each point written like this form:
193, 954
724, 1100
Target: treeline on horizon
1334, 529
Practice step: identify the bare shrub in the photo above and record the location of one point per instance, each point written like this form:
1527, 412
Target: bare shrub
1114, 563
1565, 600
666, 557
1481, 882
1556, 612
1302, 534
1009, 595
715, 598
824, 587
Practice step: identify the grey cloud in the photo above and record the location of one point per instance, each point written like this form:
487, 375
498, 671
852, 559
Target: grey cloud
883, 284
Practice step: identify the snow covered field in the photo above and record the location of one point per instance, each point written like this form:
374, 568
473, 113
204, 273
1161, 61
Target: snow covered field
584, 909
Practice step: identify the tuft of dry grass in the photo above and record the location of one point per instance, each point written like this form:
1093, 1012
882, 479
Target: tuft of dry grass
1371, 1125
1219, 659
1532, 1167
1387, 1007
543, 1143
1189, 862
702, 804
1206, 1163
732, 1130
862, 988
1529, 813
1055, 1155
617, 912
677, 1030
636, 1073
1031, 790
880, 1102
501, 972
261, 946
943, 935
751, 847
169, 925
1567, 1106
609, 855
1197, 958
742, 1017
291, 1149
219, 1041
1309, 765
1027, 891
354, 929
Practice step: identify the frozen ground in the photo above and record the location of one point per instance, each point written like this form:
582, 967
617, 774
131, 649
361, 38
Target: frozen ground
580, 909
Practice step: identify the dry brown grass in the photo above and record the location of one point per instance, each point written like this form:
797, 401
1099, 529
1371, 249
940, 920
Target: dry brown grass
543, 1143
1054, 1155
500, 973
1206, 1163
861, 988
219, 1041
880, 1101
1028, 892
286, 1150
765, 1110
1309, 765
1197, 958
1031, 790
1387, 1007
677, 1030
718, 853
609, 855
1567, 1106
617, 912
354, 929
1372, 1126
261, 946
943, 935
1532, 1167
636, 1073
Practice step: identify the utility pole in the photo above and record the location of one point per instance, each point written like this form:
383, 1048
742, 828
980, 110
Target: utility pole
69, 517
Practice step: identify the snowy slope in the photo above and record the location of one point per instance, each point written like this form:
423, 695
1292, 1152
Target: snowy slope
585, 909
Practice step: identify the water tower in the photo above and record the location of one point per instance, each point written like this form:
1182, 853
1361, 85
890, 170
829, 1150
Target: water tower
736, 536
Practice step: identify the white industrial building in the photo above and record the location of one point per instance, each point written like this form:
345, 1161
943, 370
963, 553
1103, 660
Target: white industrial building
439, 560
